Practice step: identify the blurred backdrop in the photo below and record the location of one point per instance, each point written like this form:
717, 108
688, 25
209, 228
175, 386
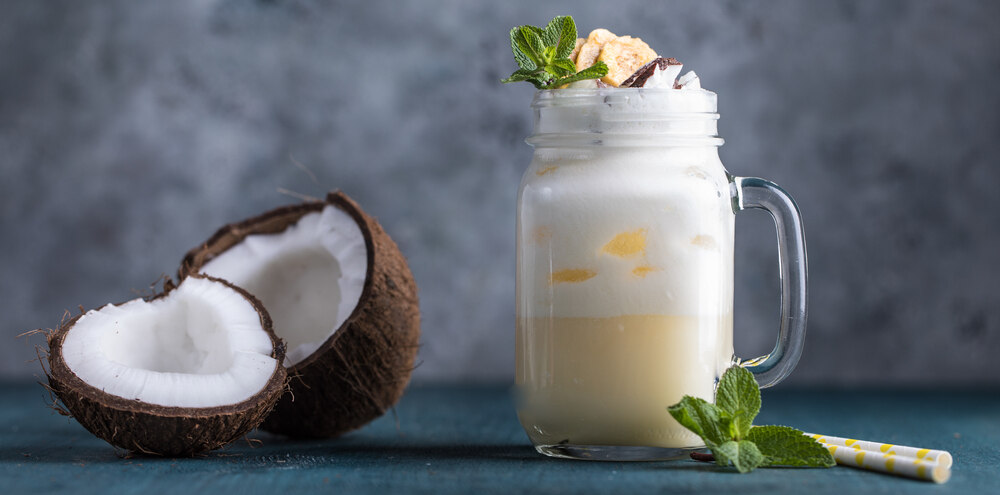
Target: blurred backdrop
130, 131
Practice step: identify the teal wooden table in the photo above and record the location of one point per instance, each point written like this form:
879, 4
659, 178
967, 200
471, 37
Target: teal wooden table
466, 439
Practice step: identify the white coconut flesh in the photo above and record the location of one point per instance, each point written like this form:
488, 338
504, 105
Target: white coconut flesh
201, 345
309, 276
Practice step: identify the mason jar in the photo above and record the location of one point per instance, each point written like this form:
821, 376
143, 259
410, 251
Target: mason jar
625, 222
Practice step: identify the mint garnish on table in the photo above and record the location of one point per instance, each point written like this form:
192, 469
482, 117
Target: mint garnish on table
727, 428
543, 55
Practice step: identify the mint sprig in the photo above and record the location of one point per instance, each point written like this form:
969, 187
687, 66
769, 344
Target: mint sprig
727, 428
543, 55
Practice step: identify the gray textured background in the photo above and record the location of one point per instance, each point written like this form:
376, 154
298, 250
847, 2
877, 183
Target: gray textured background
129, 131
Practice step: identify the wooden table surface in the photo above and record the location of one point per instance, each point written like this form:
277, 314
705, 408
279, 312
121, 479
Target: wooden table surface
466, 439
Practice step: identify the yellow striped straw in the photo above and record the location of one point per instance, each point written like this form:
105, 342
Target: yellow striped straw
939, 457
890, 463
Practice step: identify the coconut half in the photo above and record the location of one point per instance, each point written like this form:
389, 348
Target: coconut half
187, 371
340, 294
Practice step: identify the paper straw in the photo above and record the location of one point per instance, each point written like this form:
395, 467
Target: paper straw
890, 463
940, 457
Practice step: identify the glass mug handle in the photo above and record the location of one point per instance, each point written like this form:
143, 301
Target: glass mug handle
751, 192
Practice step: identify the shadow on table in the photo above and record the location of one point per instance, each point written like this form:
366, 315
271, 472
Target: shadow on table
291, 452
304, 454
96, 453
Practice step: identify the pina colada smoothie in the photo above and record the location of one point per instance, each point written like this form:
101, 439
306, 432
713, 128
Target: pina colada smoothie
625, 249
625, 254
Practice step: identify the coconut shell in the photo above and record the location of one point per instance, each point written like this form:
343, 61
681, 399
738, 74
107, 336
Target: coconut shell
363, 368
162, 430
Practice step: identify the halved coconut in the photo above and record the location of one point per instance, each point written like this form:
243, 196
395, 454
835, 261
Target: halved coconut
342, 297
182, 373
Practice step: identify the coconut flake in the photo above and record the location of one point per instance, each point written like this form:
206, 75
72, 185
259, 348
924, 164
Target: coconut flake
658, 73
689, 80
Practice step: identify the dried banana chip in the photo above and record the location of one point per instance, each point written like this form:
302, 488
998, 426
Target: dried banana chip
591, 49
623, 56
576, 49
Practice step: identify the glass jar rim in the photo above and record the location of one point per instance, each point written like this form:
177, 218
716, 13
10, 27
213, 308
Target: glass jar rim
661, 100
626, 116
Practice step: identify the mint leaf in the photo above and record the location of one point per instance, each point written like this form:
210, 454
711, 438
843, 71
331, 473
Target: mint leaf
521, 75
530, 42
725, 452
702, 417
516, 42
543, 55
727, 428
596, 71
744, 455
562, 67
786, 446
526, 43
561, 34
739, 395
750, 457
